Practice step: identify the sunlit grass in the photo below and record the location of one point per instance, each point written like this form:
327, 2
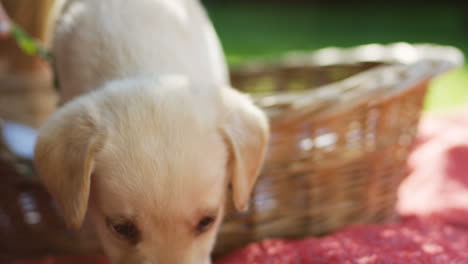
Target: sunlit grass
448, 90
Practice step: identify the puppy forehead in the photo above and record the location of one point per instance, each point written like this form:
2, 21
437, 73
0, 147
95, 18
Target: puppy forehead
162, 148
187, 172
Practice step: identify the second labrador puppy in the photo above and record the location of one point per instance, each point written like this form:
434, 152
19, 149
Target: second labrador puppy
150, 135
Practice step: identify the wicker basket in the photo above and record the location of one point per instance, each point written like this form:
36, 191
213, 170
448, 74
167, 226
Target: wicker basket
343, 122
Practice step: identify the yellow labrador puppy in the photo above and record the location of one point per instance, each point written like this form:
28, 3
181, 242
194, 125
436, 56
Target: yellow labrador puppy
150, 135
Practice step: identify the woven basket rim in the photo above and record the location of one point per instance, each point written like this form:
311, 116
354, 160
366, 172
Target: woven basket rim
398, 52
407, 66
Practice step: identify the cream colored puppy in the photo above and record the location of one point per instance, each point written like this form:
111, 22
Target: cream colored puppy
150, 135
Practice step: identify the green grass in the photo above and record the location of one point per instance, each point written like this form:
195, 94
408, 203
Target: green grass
266, 31
448, 91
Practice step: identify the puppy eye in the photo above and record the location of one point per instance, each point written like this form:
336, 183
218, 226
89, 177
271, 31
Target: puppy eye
205, 224
125, 230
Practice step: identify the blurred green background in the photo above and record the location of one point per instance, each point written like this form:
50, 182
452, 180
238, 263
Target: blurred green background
266, 29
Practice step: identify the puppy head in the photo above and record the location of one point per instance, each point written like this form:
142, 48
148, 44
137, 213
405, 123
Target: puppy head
150, 163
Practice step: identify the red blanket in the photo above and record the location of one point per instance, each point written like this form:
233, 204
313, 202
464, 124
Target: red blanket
433, 205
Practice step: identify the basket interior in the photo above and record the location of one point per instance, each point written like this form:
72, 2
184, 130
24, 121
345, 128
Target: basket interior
264, 80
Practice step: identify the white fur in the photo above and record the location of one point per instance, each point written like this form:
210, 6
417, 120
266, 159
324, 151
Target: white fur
142, 37
150, 131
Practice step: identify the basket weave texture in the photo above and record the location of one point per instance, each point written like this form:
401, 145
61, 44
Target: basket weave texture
343, 122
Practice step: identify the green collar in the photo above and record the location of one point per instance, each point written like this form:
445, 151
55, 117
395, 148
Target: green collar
27, 44
31, 47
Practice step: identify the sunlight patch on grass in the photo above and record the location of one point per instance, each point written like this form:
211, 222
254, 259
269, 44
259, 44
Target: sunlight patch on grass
448, 91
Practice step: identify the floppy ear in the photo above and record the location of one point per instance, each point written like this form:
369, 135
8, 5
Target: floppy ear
65, 155
246, 130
